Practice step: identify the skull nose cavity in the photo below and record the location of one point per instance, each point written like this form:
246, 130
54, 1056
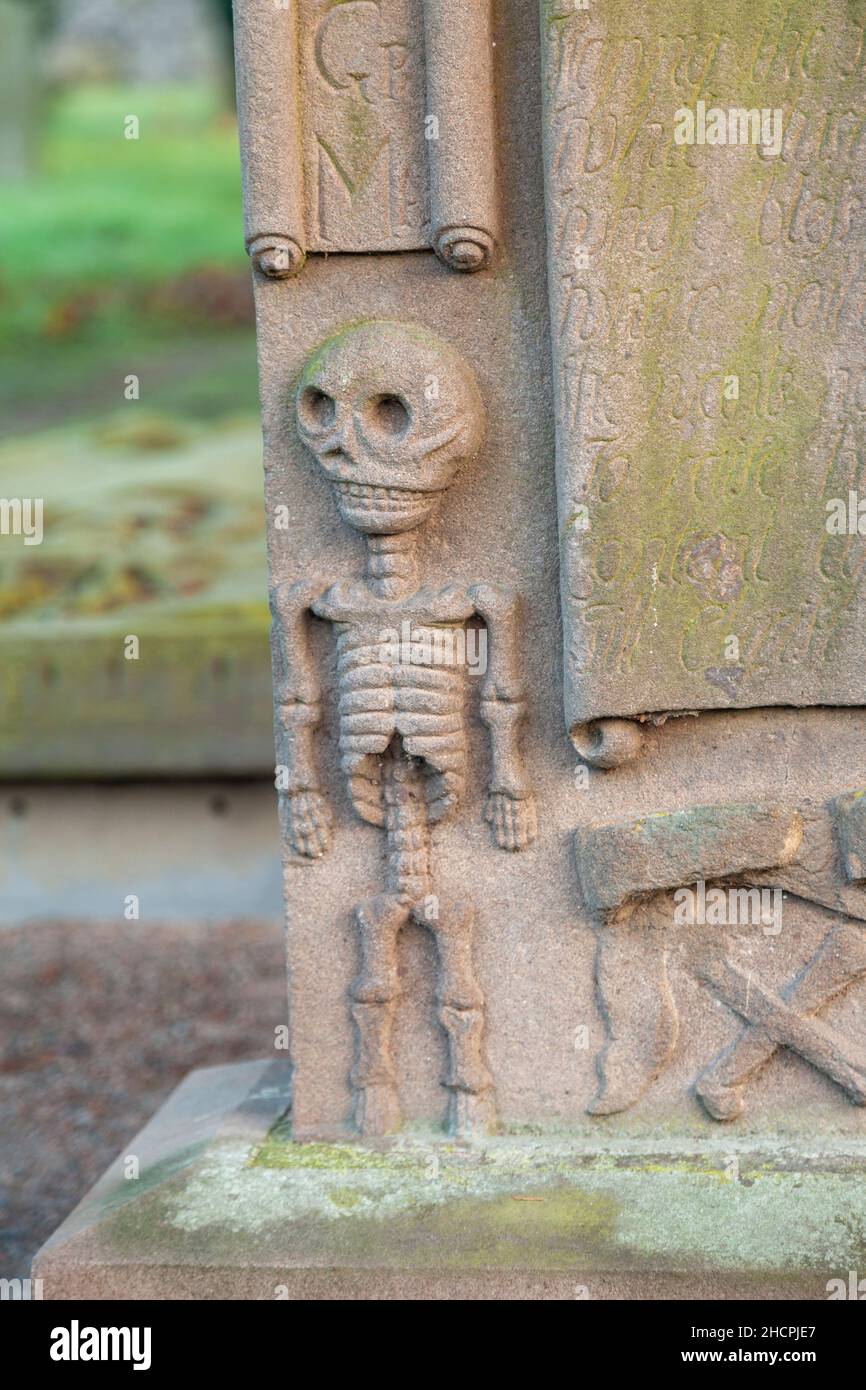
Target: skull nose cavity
339, 447
334, 454
317, 410
387, 416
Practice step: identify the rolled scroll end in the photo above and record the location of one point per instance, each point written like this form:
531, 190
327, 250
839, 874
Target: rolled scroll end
464, 206
277, 257
465, 248
608, 743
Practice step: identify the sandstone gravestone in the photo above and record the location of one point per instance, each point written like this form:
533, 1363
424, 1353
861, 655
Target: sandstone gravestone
516, 336
705, 236
135, 634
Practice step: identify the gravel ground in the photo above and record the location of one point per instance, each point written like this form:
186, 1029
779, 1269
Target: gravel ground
98, 1023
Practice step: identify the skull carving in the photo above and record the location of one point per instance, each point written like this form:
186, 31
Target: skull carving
390, 412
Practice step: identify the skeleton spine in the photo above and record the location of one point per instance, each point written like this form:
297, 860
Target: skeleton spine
392, 566
406, 828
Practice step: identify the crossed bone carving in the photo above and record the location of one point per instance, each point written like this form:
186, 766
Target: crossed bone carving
628, 873
391, 447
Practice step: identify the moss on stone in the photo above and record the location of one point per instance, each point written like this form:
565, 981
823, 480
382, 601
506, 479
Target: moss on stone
509, 1205
714, 524
279, 1151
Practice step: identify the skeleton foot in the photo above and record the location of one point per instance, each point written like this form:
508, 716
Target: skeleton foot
471, 1116
377, 1111
461, 1013
376, 1106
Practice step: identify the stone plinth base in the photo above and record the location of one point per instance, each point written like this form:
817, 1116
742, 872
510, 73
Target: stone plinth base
225, 1206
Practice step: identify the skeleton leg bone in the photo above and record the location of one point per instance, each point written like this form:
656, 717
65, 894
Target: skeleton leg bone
461, 1012
377, 1108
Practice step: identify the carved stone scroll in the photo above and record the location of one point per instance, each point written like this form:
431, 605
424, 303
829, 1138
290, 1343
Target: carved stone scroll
704, 171
367, 125
269, 113
460, 99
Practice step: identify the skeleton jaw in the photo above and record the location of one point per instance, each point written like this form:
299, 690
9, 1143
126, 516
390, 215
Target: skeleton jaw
382, 510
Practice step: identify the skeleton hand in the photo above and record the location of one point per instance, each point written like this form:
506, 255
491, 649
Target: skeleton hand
514, 819
307, 823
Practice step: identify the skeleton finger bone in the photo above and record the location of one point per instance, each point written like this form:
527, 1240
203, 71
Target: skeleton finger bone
307, 823
514, 820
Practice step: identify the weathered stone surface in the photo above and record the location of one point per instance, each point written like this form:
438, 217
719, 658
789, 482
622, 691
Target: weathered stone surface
706, 308
363, 100
225, 1206
665, 851
760, 854
370, 1024
850, 818
367, 127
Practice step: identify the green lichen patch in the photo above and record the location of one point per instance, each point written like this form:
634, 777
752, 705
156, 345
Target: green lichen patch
278, 1151
509, 1204
702, 312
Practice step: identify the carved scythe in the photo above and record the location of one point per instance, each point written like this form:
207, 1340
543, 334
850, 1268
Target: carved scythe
780, 1020
838, 963
628, 871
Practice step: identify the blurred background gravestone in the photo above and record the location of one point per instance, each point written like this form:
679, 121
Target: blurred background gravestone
127, 316
139, 863
138, 40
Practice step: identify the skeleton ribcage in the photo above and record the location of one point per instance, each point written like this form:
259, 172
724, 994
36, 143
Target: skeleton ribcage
414, 690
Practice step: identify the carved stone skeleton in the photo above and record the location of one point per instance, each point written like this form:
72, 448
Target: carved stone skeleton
390, 412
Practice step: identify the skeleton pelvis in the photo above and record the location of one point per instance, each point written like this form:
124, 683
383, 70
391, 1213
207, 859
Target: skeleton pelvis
443, 787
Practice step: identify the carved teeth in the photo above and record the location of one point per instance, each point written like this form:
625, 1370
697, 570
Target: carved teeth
382, 498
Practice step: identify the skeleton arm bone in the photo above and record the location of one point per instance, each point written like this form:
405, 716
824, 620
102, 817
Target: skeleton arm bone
303, 810
511, 804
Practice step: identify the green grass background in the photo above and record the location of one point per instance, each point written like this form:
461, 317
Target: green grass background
124, 253
122, 257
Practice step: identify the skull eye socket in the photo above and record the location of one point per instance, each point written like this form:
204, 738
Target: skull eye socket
388, 416
317, 410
